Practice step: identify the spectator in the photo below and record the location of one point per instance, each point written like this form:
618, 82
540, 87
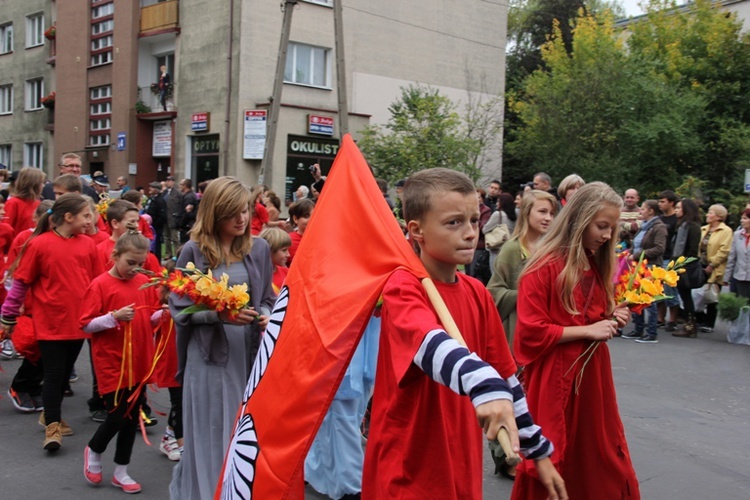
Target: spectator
156, 207
480, 265
188, 210
568, 186
543, 182
738, 265
630, 215
122, 185
667, 202
301, 193
493, 195
70, 163
173, 198
716, 242
687, 244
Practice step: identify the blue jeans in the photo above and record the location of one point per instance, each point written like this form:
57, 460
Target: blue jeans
638, 320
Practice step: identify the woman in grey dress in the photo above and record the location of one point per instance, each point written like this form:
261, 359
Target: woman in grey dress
215, 353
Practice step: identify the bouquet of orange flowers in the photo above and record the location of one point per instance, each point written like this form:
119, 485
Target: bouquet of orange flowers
206, 292
640, 285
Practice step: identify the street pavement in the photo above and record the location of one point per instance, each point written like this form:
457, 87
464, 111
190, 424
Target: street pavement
685, 404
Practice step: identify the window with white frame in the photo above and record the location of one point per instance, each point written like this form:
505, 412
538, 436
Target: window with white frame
6, 99
327, 3
99, 140
6, 38
101, 108
307, 65
103, 10
6, 154
100, 124
101, 92
102, 27
101, 42
101, 58
33, 154
34, 94
34, 30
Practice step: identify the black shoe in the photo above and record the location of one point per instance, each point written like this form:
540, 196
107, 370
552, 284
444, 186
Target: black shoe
671, 327
98, 415
632, 335
647, 339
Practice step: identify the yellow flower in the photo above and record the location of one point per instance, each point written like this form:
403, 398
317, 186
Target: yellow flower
671, 277
190, 266
680, 260
646, 299
633, 297
658, 273
649, 287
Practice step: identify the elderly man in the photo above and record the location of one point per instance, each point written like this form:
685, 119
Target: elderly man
70, 163
630, 217
543, 182
122, 184
173, 196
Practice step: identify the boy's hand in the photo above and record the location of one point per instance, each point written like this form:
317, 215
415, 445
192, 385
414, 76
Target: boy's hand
551, 480
622, 314
493, 415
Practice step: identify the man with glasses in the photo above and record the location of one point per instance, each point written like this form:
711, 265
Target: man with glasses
70, 163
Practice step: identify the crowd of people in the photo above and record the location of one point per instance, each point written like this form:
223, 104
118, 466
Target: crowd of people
536, 293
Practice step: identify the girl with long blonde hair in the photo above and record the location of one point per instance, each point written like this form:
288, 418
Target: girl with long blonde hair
566, 314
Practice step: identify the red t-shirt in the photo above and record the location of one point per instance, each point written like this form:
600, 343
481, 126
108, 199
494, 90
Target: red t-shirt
166, 366
105, 294
105, 248
424, 439
99, 236
58, 270
260, 218
145, 228
296, 238
279, 275
19, 213
591, 453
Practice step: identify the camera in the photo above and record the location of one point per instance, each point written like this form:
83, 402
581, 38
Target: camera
527, 184
312, 168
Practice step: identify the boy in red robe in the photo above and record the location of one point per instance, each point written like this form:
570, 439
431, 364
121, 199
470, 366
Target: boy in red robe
424, 441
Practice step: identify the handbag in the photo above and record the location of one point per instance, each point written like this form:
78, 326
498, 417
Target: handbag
710, 293
694, 276
497, 237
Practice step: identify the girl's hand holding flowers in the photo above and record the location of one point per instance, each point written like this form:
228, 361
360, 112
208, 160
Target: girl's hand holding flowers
242, 317
602, 330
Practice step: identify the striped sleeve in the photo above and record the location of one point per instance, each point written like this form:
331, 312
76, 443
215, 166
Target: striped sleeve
534, 445
447, 362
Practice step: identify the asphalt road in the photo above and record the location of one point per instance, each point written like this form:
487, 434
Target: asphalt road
685, 404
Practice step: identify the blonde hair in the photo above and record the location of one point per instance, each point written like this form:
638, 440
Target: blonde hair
223, 199
521, 231
720, 211
28, 186
277, 238
570, 182
564, 240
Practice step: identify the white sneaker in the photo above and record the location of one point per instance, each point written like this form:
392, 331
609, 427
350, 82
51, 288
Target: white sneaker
170, 448
7, 350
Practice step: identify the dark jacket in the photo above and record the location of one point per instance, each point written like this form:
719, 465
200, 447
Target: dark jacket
653, 244
187, 219
156, 207
174, 207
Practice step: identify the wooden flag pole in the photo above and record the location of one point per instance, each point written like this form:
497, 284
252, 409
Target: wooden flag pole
511, 457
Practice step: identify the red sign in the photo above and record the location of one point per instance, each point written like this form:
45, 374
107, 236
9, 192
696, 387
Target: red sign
200, 122
322, 125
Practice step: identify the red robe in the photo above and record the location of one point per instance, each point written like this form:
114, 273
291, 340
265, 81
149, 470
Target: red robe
424, 439
590, 448
58, 270
105, 294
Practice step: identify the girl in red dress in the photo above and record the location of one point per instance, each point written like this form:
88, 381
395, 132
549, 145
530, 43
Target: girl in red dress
54, 268
117, 313
566, 314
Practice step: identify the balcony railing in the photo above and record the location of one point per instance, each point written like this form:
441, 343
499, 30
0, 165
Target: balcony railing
151, 101
160, 16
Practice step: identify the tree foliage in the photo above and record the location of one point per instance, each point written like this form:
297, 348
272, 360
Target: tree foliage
424, 131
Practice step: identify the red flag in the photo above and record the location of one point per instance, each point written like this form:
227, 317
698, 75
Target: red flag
350, 248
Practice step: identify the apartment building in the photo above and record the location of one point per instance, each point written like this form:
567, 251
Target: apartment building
103, 59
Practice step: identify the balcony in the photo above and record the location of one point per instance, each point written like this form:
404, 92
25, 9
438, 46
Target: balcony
160, 17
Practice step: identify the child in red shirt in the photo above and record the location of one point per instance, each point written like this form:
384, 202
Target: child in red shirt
424, 441
19, 208
55, 267
117, 313
300, 213
121, 216
279, 241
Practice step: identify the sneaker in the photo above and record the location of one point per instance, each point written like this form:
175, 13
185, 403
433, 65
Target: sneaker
632, 335
38, 402
68, 393
73, 376
52, 437
647, 339
127, 487
65, 429
22, 401
170, 448
98, 415
150, 421
705, 329
7, 351
671, 327
91, 477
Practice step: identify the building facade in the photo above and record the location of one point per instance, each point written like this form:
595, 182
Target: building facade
209, 116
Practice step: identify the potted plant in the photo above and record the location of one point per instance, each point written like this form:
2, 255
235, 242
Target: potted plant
48, 101
51, 32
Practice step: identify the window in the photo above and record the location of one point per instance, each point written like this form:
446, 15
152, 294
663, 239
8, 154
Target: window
328, 3
34, 30
99, 140
34, 94
101, 108
6, 155
6, 100
101, 58
33, 154
102, 27
6, 38
100, 124
165, 60
307, 65
103, 10
101, 43
101, 92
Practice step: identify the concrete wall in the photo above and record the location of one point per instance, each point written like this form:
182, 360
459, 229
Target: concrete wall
18, 66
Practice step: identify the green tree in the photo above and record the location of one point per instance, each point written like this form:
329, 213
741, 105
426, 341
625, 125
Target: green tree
424, 131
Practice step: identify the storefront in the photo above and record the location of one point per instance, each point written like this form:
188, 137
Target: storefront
303, 152
204, 158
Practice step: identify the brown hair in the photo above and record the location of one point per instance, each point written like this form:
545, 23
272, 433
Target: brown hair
133, 196
524, 213
132, 241
69, 182
118, 208
277, 238
29, 183
420, 186
301, 208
